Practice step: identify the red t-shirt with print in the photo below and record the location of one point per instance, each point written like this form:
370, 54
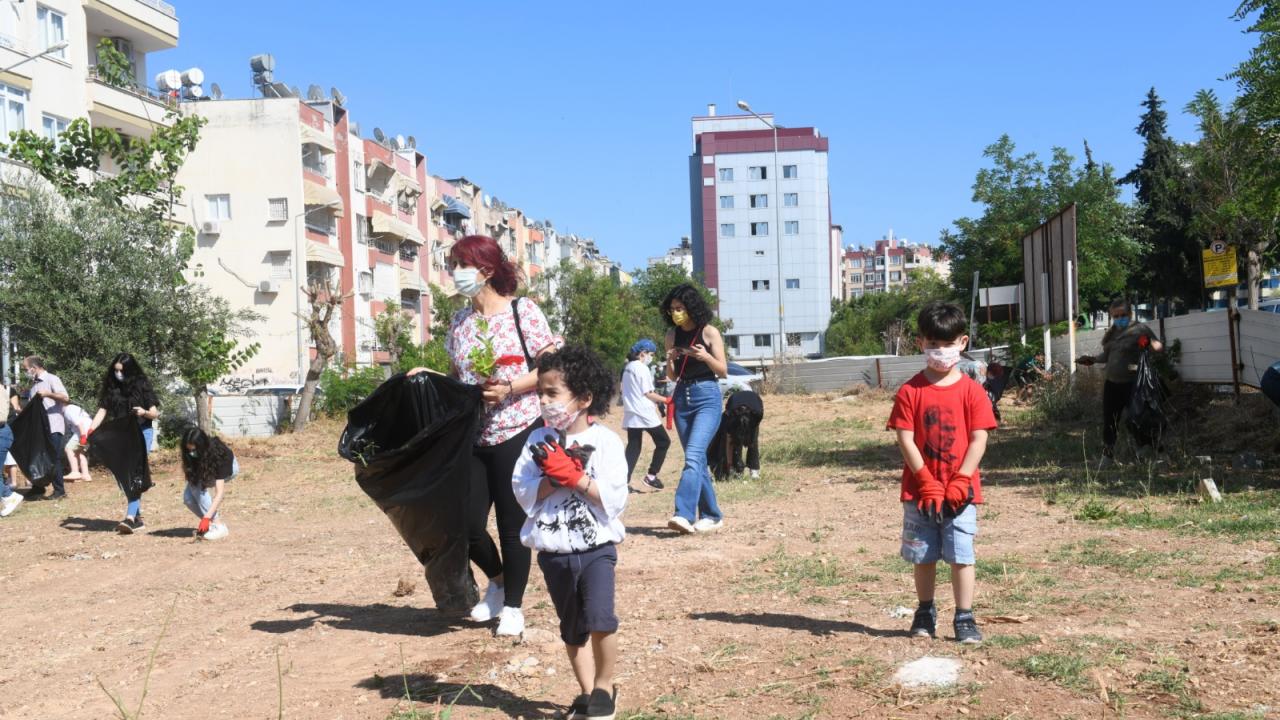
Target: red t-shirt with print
941, 418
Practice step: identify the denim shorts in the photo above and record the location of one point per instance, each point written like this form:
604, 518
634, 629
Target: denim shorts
925, 542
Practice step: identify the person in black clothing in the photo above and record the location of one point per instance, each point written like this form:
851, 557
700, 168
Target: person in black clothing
208, 464
126, 391
739, 431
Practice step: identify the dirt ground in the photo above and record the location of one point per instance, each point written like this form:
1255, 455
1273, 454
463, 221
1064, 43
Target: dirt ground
1096, 602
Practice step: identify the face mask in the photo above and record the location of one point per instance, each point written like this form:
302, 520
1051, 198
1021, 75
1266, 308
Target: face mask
679, 317
468, 281
1120, 322
120, 375
942, 359
558, 417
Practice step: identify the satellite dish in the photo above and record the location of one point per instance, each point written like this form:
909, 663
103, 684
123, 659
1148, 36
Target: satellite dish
215, 92
412, 141
354, 129
262, 63
193, 92
294, 92
315, 94
400, 142
378, 135
338, 98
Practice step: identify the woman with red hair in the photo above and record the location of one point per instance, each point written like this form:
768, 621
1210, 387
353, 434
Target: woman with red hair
494, 342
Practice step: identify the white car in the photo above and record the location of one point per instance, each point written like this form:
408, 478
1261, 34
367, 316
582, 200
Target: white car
740, 378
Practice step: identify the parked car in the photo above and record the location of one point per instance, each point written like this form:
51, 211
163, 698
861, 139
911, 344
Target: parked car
739, 378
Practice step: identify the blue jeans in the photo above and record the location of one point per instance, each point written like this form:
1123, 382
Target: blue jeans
6, 442
149, 437
698, 409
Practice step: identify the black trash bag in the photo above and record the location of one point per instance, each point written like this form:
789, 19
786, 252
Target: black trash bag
1146, 404
33, 449
411, 442
1271, 382
120, 445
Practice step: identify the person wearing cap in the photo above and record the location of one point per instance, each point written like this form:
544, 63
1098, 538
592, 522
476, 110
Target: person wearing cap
640, 411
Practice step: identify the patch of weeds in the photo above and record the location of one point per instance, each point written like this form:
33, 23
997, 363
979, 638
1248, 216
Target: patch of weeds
1093, 510
1242, 516
820, 533
794, 574
747, 490
1095, 552
1066, 669
1008, 642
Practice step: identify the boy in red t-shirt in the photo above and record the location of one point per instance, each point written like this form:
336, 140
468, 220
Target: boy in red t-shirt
942, 417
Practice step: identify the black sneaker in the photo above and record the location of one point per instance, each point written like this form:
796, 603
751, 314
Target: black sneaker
35, 492
925, 622
59, 495
602, 705
578, 708
129, 526
967, 629
653, 482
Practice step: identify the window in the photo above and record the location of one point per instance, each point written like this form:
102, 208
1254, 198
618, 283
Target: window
362, 230
357, 171
759, 201
789, 172
219, 207
791, 227
879, 261
763, 340
726, 229
856, 278
726, 202
758, 172
281, 268
726, 174
313, 159
895, 276
53, 30
277, 209
856, 263
321, 222
386, 245
880, 278
53, 127
759, 285
760, 228
731, 341
793, 283
13, 110
366, 283
895, 259
791, 199
759, 253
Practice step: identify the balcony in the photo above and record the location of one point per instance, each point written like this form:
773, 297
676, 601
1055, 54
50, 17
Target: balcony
151, 25
133, 111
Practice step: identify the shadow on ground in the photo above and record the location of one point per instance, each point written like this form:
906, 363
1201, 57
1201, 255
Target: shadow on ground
80, 524
813, 626
425, 689
377, 618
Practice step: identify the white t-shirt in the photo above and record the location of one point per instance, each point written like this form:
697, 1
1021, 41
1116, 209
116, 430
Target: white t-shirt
638, 411
78, 418
565, 521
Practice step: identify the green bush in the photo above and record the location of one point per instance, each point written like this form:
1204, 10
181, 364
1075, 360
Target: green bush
344, 388
430, 355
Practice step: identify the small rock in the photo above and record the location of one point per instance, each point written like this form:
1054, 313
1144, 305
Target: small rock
900, 612
537, 636
109, 554
405, 588
928, 672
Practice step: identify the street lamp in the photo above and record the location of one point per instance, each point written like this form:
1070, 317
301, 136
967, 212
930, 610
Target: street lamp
56, 47
777, 222
299, 265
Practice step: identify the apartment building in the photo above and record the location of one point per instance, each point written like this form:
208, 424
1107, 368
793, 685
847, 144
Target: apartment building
51, 47
761, 231
887, 265
680, 256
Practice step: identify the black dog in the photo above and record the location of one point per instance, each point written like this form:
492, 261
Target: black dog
739, 430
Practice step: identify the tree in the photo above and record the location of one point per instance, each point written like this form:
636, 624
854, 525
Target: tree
596, 311
324, 297
443, 307
1258, 77
884, 323
651, 287
1235, 196
1171, 253
209, 357
393, 328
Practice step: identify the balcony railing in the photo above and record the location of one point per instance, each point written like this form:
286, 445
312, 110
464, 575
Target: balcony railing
132, 88
161, 6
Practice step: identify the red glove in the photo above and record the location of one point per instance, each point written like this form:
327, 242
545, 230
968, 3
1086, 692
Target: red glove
929, 495
1143, 341
84, 439
959, 490
203, 527
562, 469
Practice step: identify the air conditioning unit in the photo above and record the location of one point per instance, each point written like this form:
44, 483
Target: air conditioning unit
268, 286
211, 227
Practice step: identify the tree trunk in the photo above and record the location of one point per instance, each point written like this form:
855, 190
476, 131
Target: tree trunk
307, 399
1253, 263
204, 418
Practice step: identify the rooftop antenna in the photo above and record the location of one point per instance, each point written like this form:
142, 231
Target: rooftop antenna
315, 94
412, 141
400, 142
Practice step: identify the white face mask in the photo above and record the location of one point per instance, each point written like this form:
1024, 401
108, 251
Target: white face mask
468, 281
558, 417
942, 359
120, 375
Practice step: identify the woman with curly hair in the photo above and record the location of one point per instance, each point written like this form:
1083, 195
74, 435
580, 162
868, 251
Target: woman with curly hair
695, 359
126, 391
208, 464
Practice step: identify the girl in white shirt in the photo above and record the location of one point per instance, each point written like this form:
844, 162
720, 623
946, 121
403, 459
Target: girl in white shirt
640, 412
571, 482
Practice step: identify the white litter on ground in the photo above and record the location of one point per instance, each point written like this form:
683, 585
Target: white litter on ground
928, 672
900, 612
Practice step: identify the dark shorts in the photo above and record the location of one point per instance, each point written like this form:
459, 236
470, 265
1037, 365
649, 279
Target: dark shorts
581, 587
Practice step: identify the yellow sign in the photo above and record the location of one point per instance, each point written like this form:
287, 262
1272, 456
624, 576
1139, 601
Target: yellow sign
1220, 266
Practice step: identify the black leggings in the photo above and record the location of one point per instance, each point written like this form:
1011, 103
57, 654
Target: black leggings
491, 470
635, 439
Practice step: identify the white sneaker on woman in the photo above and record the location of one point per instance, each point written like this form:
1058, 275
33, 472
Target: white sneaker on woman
488, 608
706, 525
510, 622
217, 531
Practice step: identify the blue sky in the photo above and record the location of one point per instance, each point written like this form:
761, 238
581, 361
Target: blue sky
579, 111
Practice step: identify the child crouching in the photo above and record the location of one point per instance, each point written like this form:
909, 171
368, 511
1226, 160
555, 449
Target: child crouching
571, 481
208, 464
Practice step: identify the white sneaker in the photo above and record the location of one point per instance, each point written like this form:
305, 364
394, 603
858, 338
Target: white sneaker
706, 525
510, 622
216, 531
680, 525
9, 504
755, 474
488, 608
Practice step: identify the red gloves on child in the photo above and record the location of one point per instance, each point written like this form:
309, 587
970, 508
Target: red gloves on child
561, 468
929, 495
958, 492
203, 527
